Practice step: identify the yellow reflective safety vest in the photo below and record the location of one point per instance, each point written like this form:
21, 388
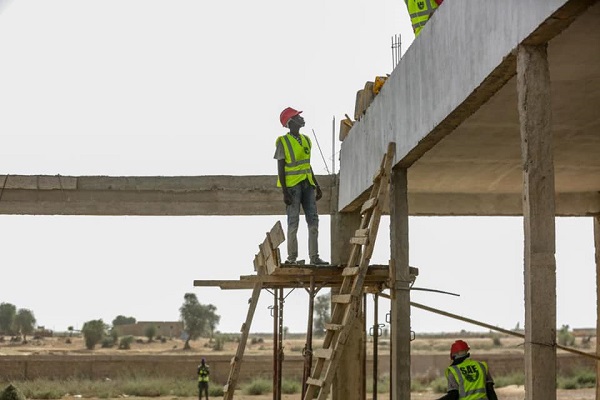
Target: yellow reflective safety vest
420, 11
203, 373
297, 160
471, 377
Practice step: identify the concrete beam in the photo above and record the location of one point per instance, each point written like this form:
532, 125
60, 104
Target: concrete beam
230, 195
152, 195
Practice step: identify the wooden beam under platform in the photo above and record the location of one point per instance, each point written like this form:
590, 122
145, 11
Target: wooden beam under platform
377, 278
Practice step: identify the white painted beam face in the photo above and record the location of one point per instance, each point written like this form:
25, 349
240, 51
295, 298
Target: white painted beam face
463, 56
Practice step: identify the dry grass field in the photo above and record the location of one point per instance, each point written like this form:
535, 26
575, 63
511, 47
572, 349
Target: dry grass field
262, 345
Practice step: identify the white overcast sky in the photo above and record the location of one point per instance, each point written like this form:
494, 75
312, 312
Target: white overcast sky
177, 87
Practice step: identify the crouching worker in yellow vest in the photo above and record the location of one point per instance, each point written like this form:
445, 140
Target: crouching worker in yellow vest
468, 379
420, 11
203, 373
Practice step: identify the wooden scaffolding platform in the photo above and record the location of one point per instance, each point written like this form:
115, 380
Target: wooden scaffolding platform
352, 280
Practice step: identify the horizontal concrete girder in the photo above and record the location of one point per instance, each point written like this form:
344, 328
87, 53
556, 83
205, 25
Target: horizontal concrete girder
228, 195
148, 195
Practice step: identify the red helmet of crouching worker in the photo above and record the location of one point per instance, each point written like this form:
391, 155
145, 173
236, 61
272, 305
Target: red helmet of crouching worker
459, 348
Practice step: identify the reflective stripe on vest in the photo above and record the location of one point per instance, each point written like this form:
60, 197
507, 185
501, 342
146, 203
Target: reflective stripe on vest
297, 160
420, 11
470, 388
203, 374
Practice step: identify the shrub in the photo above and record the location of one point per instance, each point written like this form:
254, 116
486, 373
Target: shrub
11, 393
516, 378
565, 338
257, 387
215, 391
290, 387
496, 341
107, 343
439, 385
567, 383
219, 343
93, 332
586, 378
125, 342
150, 332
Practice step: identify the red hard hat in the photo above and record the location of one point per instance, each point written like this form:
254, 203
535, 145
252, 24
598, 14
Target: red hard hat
457, 347
287, 114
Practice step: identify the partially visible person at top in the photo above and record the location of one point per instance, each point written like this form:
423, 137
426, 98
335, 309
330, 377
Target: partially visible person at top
468, 379
299, 185
420, 11
203, 374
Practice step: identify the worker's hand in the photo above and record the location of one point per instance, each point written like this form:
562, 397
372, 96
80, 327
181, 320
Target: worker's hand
287, 197
319, 193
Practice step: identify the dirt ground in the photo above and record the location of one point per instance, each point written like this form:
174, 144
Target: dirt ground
258, 344
505, 393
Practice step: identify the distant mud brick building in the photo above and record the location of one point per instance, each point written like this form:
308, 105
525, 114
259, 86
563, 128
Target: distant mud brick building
170, 329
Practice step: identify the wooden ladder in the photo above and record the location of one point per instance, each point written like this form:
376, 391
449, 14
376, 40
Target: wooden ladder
347, 303
265, 262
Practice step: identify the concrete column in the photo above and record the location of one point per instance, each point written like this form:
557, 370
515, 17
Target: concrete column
597, 252
400, 295
350, 376
533, 85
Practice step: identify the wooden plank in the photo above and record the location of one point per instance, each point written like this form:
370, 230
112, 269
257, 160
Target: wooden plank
271, 265
265, 249
341, 298
350, 271
361, 232
359, 240
277, 235
333, 327
368, 205
323, 353
259, 263
314, 382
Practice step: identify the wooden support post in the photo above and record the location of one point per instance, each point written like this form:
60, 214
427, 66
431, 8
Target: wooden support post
400, 295
597, 258
275, 311
533, 86
308, 350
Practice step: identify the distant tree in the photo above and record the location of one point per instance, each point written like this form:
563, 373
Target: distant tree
93, 333
24, 322
8, 313
123, 320
565, 337
198, 319
70, 329
321, 313
150, 332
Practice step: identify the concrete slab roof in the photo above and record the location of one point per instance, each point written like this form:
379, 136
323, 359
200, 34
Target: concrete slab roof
451, 107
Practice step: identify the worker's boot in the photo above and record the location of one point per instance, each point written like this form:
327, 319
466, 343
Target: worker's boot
317, 261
